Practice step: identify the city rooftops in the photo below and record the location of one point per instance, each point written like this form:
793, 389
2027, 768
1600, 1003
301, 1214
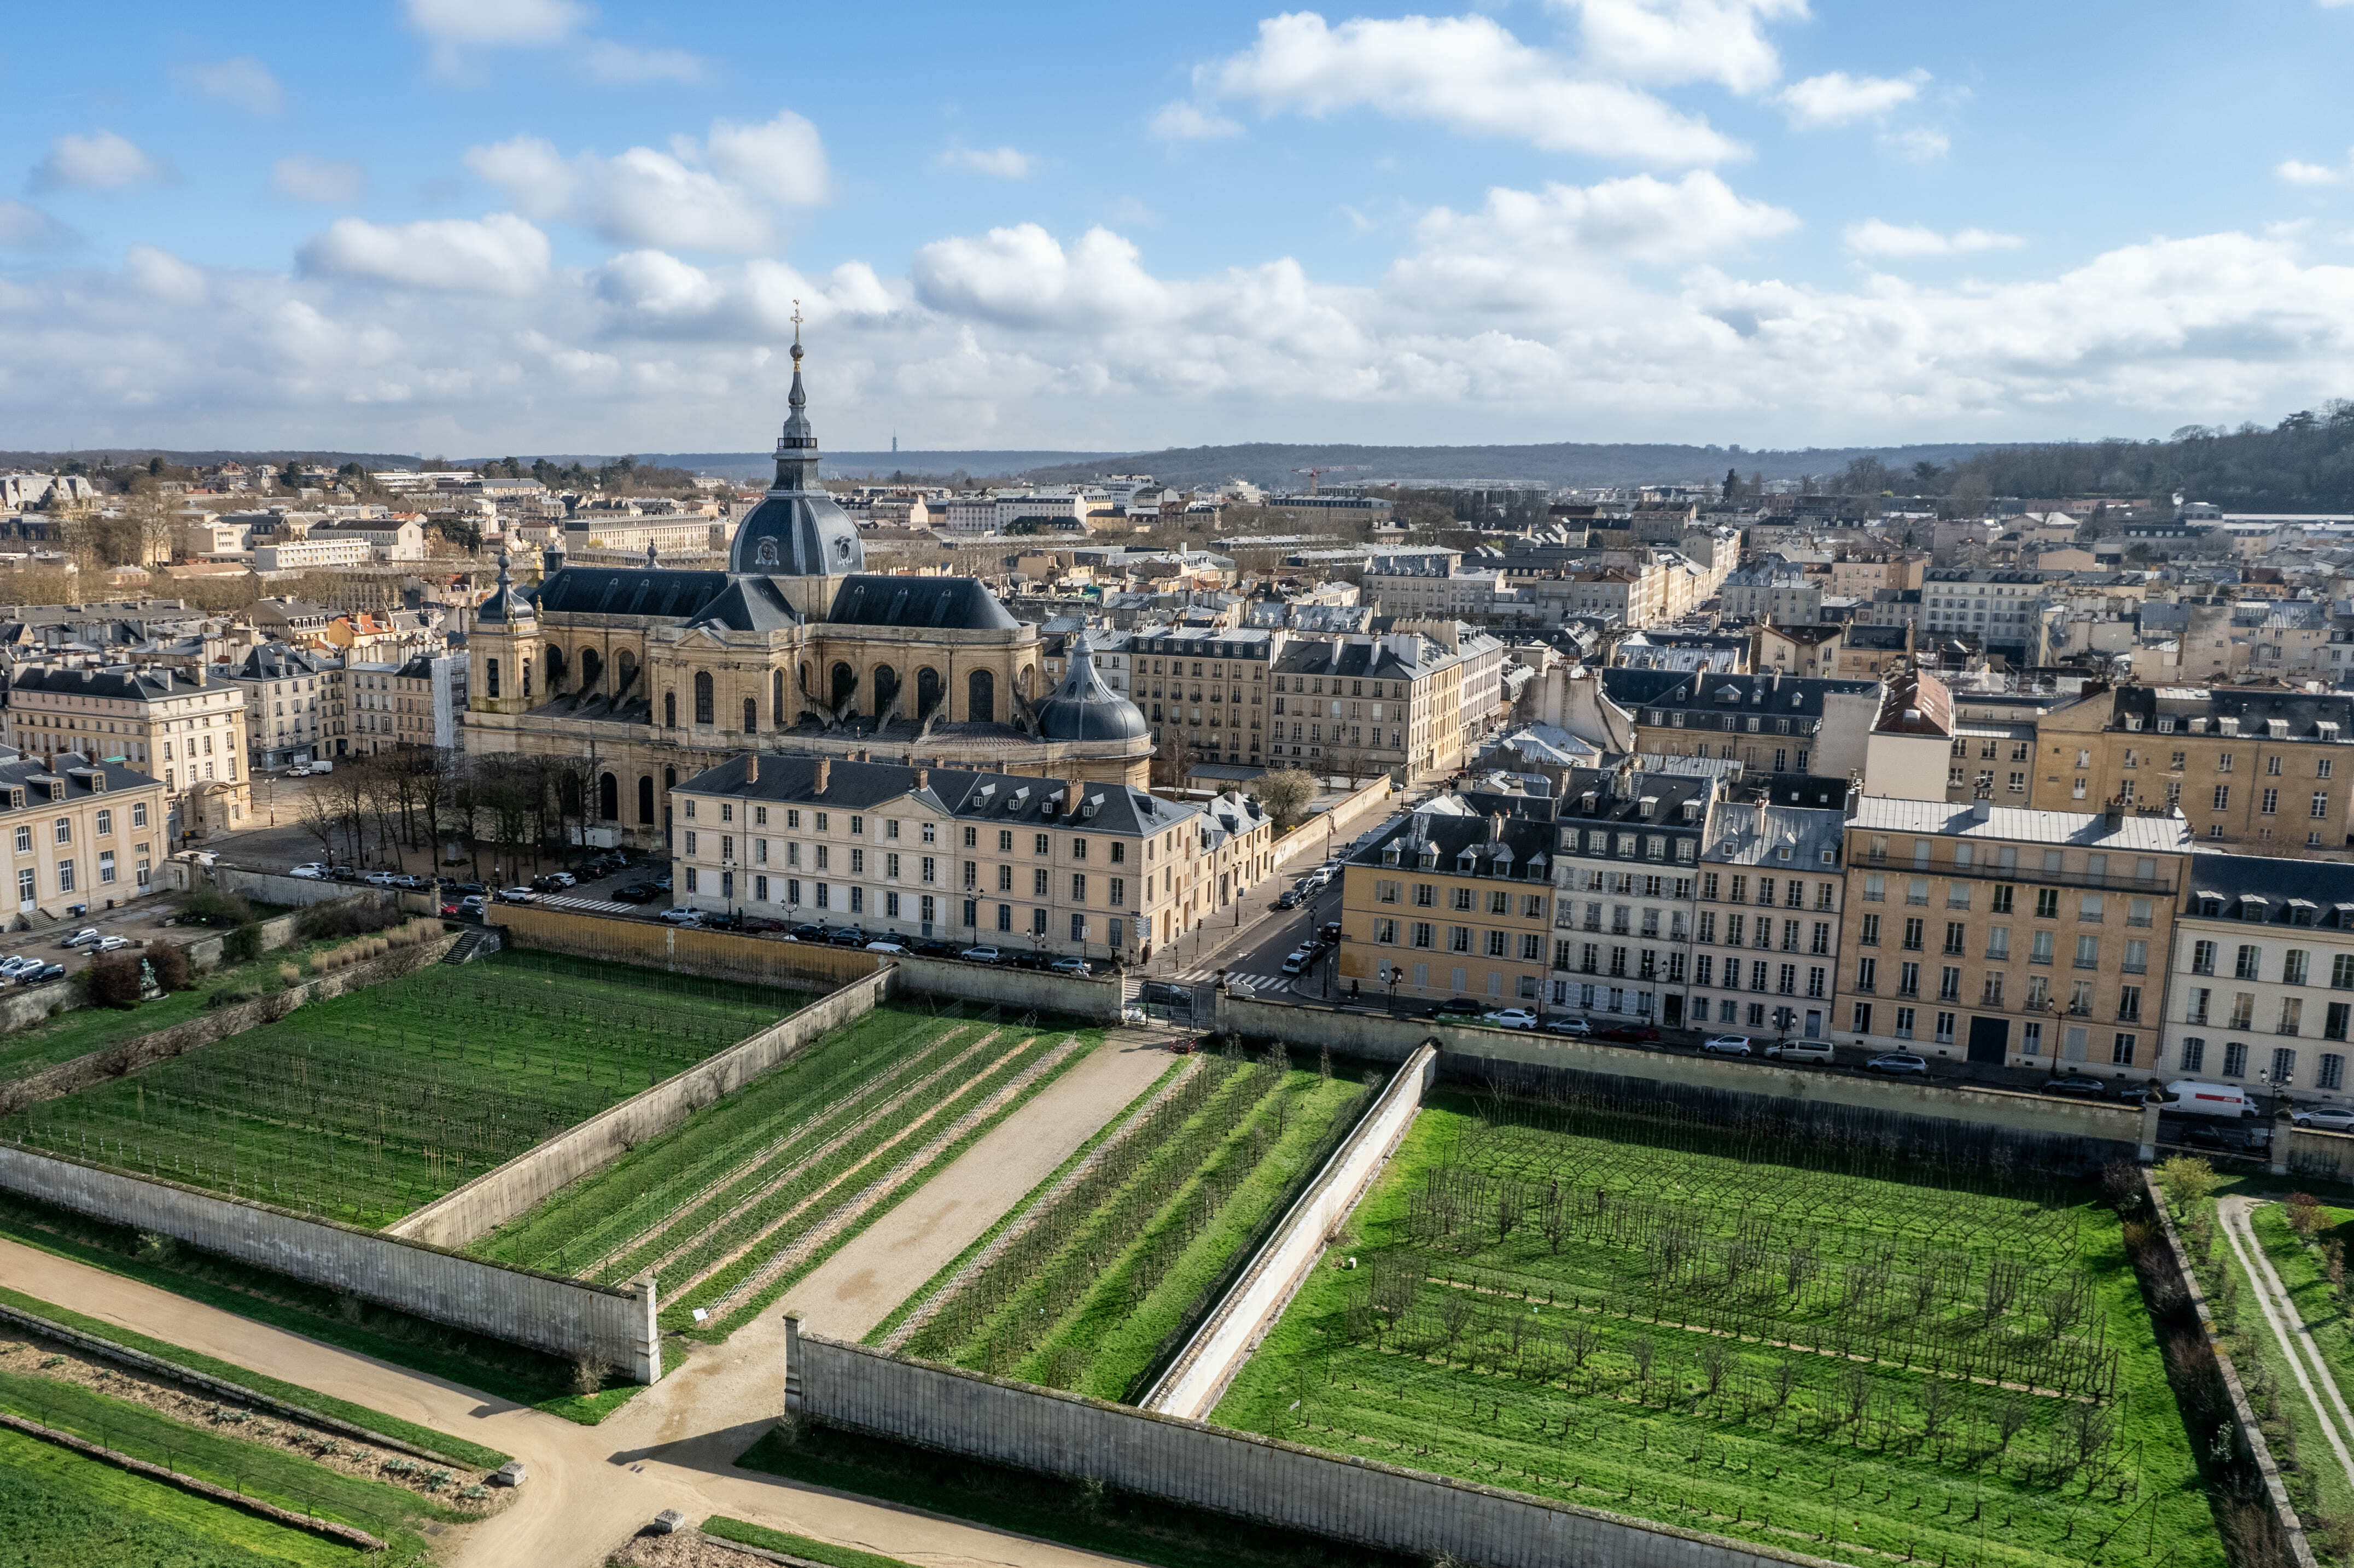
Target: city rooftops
834, 785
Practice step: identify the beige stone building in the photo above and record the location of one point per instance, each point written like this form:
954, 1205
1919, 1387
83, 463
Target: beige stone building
1364, 704
2259, 769
2028, 937
81, 834
1075, 867
657, 675
185, 727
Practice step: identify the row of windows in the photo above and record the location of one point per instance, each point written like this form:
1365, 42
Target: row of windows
29, 878
2003, 900
1992, 987
1793, 890
2297, 965
2199, 1001
1527, 945
1498, 901
1593, 959
923, 868
2282, 1070
1781, 979
1753, 724
1737, 929
893, 906
856, 824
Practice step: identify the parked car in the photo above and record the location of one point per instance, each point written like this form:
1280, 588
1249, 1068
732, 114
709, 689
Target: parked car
682, 916
2074, 1087
109, 944
2326, 1118
473, 906
1574, 1028
1802, 1051
933, 947
302, 772
760, 924
450, 908
662, 882
1726, 1045
1068, 966
560, 879
462, 889
980, 955
310, 869
1455, 1007
723, 920
517, 896
15, 964
378, 879
1166, 994
808, 933
638, 893
848, 936
1288, 899
1031, 959
44, 975
1899, 1062
409, 883
1511, 1018
1629, 1034
887, 946
81, 938
1328, 932
1298, 960
343, 874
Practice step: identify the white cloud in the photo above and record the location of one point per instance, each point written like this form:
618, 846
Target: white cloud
500, 254
240, 81
1918, 145
606, 61
1465, 72
1835, 98
100, 161
1183, 122
1874, 237
494, 23
2296, 172
721, 196
1021, 276
24, 226
995, 163
164, 276
317, 179
1686, 41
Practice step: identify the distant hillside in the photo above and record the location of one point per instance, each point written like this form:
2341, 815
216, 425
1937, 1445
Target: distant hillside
120, 456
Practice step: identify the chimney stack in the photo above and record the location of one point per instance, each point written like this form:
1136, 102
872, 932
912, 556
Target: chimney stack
923, 778
824, 772
752, 768
1076, 791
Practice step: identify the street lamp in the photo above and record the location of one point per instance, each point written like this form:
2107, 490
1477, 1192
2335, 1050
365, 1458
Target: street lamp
1396, 974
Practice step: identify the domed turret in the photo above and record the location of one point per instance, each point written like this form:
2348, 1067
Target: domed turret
1084, 708
504, 605
799, 530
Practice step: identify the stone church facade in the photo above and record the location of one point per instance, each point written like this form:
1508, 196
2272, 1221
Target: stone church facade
653, 675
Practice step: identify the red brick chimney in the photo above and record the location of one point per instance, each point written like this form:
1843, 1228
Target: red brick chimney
825, 771
752, 768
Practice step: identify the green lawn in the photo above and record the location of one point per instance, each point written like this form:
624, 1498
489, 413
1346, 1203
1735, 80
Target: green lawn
455, 1449
815, 1551
364, 1107
60, 1509
1562, 1302
1103, 1288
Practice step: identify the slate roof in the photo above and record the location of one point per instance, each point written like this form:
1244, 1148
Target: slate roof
2132, 830
1001, 797
281, 661
946, 604
2261, 890
1781, 696
118, 683
71, 767
1526, 842
1377, 658
2256, 708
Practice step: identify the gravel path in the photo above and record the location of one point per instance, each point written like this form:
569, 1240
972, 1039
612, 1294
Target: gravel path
2289, 1330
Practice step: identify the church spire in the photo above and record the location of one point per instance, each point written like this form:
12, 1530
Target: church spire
797, 447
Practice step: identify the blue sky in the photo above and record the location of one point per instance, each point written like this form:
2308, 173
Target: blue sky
489, 225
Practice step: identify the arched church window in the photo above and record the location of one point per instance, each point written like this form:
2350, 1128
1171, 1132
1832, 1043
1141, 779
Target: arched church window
887, 689
927, 693
980, 697
526, 680
776, 698
702, 703
845, 686
646, 799
491, 669
670, 710
609, 797
751, 716
591, 666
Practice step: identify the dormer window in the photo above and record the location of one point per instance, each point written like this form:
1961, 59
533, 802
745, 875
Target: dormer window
2166, 726
1390, 852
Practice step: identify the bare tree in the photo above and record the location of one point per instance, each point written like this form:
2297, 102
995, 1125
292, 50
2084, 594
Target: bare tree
1577, 1340
2010, 1416
1454, 1317
1714, 1361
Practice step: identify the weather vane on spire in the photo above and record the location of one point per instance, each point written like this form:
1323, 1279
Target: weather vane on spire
796, 324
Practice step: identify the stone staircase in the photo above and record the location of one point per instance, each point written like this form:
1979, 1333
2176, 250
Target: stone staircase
475, 944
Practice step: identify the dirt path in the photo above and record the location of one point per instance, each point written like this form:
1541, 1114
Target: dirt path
2288, 1328
674, 1446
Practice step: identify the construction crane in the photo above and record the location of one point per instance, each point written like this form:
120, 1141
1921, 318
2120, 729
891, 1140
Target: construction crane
1315, 474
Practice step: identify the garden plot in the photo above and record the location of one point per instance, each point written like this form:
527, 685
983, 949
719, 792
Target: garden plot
738, 1201
365, 1106
1850, 1366
1096, 1288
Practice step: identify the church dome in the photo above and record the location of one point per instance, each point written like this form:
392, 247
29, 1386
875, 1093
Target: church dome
1084, 708
799, 530
504, 605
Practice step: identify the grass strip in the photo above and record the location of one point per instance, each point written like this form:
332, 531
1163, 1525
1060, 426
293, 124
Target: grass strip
501, 1370
1092, 1518
793, 1545
389, 1512
63, 1510
770, 1293
898, 1314
456, 1450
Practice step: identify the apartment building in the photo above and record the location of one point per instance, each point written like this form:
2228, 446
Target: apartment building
2004, 609
1766, 920
2035, 938
289, 695
1859, 575
1768, 722
1775, 590
312, 555
1070, 867
1810, 649
416, 702
188, 727
1627, 851
2253, 768
1455, 901
83, 834
2262, 985
1204, 693
1390, 703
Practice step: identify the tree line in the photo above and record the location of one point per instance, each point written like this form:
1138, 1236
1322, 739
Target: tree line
390, 808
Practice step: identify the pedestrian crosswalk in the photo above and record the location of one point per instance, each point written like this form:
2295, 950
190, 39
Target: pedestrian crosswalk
589, 905
1259, 984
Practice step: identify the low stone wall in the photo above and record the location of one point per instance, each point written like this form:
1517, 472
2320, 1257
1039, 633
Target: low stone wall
2309, 1151
1515, 1057
206, 952
1031, 990
128, 1056
1198, 1377
716, 955
561, 1317
1314, 840
493, 1198
270, 887
23, 1009
1260, 1479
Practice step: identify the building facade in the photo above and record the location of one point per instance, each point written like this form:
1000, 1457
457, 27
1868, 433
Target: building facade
185, 726
2000, 934
1766, 920
1627, 854
2261, 986
83, 834
1455, 901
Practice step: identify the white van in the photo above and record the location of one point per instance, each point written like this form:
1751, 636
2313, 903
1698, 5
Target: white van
1801, 1051
2189, 1097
